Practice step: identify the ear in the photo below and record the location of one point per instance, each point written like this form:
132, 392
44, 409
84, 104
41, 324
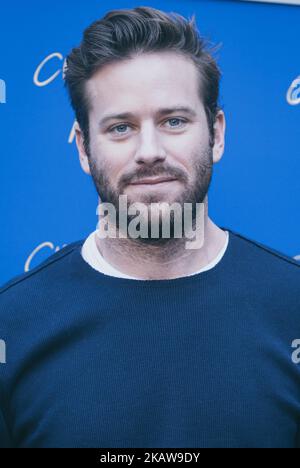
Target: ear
83, 158
219, 144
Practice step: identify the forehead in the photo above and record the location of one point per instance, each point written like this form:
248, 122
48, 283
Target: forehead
145, 82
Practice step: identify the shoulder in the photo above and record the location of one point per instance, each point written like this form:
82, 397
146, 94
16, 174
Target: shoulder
35, 305
265, 267
40, 277
265, 253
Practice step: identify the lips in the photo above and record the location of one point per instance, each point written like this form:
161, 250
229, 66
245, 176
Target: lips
151, 181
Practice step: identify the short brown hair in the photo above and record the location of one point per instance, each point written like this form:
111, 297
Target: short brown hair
122, 34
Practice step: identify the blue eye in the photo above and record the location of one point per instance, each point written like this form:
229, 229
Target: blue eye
176, 119
118, 126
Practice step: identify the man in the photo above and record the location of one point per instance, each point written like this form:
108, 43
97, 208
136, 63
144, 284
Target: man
125, 341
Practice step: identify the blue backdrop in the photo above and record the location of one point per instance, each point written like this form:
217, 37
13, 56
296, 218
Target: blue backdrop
46, 199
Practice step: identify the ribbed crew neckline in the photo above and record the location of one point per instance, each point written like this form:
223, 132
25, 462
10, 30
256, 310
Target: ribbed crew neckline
81, 266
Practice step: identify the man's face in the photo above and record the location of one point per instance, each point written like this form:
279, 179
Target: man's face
148, 143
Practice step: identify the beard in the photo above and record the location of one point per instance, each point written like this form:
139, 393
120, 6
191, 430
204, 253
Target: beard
193, 193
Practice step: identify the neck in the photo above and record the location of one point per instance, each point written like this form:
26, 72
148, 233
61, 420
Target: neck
168, 261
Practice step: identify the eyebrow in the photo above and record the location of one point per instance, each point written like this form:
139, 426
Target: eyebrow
161, 112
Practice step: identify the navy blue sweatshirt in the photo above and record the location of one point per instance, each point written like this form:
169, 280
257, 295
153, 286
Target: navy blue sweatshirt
199, 361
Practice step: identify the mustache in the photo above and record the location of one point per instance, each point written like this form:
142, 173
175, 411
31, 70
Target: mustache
153, 172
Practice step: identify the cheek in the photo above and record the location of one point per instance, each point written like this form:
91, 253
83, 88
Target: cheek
110, 158
116, 152
186, 143
186, 155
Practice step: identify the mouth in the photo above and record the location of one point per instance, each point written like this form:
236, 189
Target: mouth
154, 181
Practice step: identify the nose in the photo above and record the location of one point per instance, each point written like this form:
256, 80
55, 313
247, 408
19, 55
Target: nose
150, 148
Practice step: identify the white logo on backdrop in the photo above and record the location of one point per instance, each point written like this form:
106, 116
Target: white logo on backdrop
36, 75
2, 92
293, 93
37, 250
46, 82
